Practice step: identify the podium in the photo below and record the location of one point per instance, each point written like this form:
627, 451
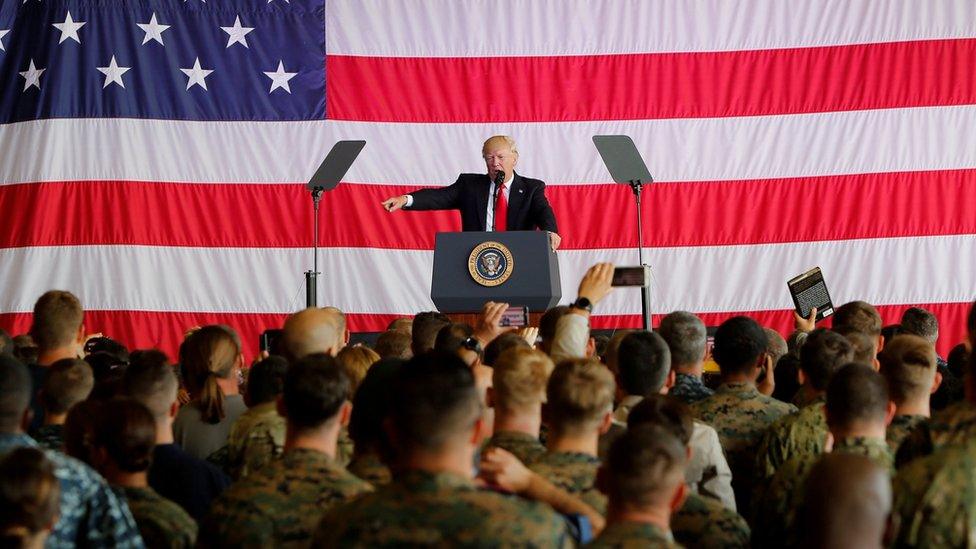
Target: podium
515, 267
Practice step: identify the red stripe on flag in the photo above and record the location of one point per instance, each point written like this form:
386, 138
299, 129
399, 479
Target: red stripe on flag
590, 216
165, 329
651, 86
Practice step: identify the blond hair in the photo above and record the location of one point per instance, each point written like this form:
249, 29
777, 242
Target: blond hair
356, 361
209, 353
519, 378
580, 392
908, 364
499, 140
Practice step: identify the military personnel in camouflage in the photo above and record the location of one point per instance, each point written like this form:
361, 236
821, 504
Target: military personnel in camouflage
258, 435
858, 412
847, 503
579, 409
68, 382
370, 408
804, 433
701, 521
518, 390
644, 479
436, 417
686, 339
123, 438
738, 411
280, 504
908, 364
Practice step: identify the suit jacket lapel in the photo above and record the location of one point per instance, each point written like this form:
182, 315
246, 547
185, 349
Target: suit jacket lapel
515, 199
482, 200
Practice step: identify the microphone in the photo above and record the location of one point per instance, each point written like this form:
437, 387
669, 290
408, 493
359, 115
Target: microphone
499, 181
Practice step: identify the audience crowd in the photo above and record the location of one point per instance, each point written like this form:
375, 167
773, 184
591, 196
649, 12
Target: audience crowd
446, 434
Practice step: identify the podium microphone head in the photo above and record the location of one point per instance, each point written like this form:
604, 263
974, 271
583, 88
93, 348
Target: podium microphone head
499, 178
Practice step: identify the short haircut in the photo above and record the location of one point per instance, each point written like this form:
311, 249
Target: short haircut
578, 394
786, 377
57, 318
613, 349
151, 380
547, 324
645, 465
393, 344
25, 349
957, 360
340, 318
424, 330
356, 361
371, 404
310, 331
908, 364
858, 316
68, 382
206, 355
823, 354
775, 344
402, 324
266, 380
918, 321
79, 429
643, 363
856, 393
686, 337
667, 412
127, 431
502, 344
450, 337
864, 346
15, 393
30, 494
435, 401
519, 379
496, 140
738, 343
315, 388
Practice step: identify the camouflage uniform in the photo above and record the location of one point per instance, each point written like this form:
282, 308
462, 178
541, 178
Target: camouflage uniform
50, 437
370, 468
574, 472
774, 525
439, 510
902, 427
689, 389
797, 435
256, 439
522, 445
704, 522
636, 535
161, 522
953, 425
935, 497
344, 447
740, 414
280, 504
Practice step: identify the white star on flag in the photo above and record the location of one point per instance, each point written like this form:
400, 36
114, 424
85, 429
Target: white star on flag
33, 76
197, 75
237, 33
280, 78
113, 73
3, 32
154, 31
69, 29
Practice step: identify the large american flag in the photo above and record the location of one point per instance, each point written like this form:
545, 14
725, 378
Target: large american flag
153, 152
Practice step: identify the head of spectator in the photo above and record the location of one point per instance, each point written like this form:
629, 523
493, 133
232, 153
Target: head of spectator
920, 322
858, 404
123, 439
579, 405
519, 379
424, 330
859, 316
643, 476
601, 342
666, 412
108, 359
501, 344
150, 380
776, 346
339, 318
15, 396
106, 345
644, 365
865, 346
787, 378
957, 360
847, 503
30, 496
265, 381
356, 361
909, 366
68, 382
739, 349
58, 327
313, 330
25, 350
403, 324
371, 408
822, 355
79, 428
451, 338
315, 403
890, 331
6, 342
435, 420
212, 358
613, 350
685, 336
394, 344
547, 326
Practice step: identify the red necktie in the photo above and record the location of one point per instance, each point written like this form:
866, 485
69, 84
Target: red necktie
501, 211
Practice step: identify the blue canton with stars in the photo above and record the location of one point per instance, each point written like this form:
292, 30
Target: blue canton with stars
167, 59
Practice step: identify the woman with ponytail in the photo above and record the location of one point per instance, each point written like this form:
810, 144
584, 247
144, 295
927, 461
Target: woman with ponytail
211, 359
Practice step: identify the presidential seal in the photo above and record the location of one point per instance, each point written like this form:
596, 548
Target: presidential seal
490, 263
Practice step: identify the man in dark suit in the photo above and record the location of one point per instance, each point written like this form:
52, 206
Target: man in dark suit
521, 204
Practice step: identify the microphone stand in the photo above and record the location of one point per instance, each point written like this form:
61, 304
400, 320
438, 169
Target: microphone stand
311, 277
